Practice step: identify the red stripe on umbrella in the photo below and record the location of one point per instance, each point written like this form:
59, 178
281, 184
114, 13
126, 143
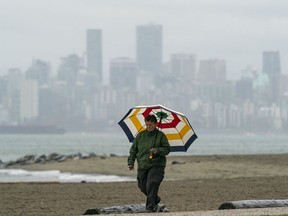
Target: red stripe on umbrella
173, 123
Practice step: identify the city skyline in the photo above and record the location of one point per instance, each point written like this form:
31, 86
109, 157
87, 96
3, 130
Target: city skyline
77, 101
237, 32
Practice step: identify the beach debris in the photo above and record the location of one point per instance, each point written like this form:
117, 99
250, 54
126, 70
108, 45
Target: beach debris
242, 204
132, 208
177, 162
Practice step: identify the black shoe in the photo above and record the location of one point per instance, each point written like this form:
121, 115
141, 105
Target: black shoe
158, 200
150, 210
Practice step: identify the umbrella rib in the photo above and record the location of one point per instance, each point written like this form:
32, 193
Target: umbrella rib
180, 136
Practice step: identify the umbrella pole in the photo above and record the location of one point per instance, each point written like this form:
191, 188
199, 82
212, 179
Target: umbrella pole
151, 154
160, 122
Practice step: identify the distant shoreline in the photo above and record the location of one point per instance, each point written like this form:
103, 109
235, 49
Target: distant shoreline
14, 147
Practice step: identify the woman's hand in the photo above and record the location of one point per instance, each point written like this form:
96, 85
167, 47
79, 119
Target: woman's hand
153, 150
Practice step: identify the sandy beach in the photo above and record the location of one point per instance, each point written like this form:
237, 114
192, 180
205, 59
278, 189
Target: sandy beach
192, 183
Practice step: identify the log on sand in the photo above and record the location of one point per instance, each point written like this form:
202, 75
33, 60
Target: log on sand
241, 204
133, 208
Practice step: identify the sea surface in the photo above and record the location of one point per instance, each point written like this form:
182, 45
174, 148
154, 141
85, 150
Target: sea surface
13, 147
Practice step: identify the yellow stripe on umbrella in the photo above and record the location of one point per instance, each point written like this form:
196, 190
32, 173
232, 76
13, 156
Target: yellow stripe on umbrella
135, 120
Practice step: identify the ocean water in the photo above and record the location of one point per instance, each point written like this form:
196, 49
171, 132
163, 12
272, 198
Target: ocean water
13, 147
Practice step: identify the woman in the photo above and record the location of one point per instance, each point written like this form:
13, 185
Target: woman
149, 148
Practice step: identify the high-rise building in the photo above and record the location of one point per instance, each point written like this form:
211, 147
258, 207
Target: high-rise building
271, 63
3, 89
28, 100
69, 69
271, 67
22, 96
149, 49
94, 53
123, 73
40, 71
212, 71
183, 65
14, 80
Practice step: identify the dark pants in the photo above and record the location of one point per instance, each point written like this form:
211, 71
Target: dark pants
149, 182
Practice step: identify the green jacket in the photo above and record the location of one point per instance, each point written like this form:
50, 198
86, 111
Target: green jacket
143, 142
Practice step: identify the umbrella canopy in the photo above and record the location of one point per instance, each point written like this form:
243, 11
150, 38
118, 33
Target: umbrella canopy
175, 125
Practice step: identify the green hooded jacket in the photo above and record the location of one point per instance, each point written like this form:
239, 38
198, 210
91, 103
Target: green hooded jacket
143, 142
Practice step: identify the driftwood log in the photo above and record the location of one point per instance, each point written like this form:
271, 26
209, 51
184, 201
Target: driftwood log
242, 204
133, 208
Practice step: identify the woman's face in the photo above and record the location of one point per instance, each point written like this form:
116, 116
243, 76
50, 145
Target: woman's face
150, 125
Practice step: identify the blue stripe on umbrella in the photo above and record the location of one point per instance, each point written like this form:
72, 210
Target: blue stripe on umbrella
178, 148
127, 131
128, 113
186, 146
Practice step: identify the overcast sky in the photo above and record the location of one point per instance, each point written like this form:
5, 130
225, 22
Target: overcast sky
237, 31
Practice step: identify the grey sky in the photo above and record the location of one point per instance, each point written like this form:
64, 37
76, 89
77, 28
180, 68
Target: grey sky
235, 30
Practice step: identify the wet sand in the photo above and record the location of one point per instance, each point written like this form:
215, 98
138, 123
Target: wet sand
192, 183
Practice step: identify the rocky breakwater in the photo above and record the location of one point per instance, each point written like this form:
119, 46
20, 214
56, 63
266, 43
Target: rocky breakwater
50, 158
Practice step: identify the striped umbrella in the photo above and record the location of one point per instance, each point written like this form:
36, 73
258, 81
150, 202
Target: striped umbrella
175, 125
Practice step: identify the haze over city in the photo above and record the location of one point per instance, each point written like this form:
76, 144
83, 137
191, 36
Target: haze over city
236, 31
77, 64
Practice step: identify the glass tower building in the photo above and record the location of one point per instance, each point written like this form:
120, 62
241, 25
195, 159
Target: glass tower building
94, 53
149, 49
271, 63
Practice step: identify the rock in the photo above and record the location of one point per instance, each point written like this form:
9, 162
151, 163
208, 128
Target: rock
79, 154
61, 159
52, 156
91, 155
2, 164
85, 156
41, 159
10, 163
76, 156
26, 159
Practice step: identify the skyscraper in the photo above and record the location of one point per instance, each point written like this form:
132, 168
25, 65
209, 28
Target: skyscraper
94, 53
149, 48
183, 65
271, 63
40, 71
123, 73
69, 69
271, 67
29, 99
212, 71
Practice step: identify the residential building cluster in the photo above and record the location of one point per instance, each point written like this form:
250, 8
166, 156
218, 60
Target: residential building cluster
77, 100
